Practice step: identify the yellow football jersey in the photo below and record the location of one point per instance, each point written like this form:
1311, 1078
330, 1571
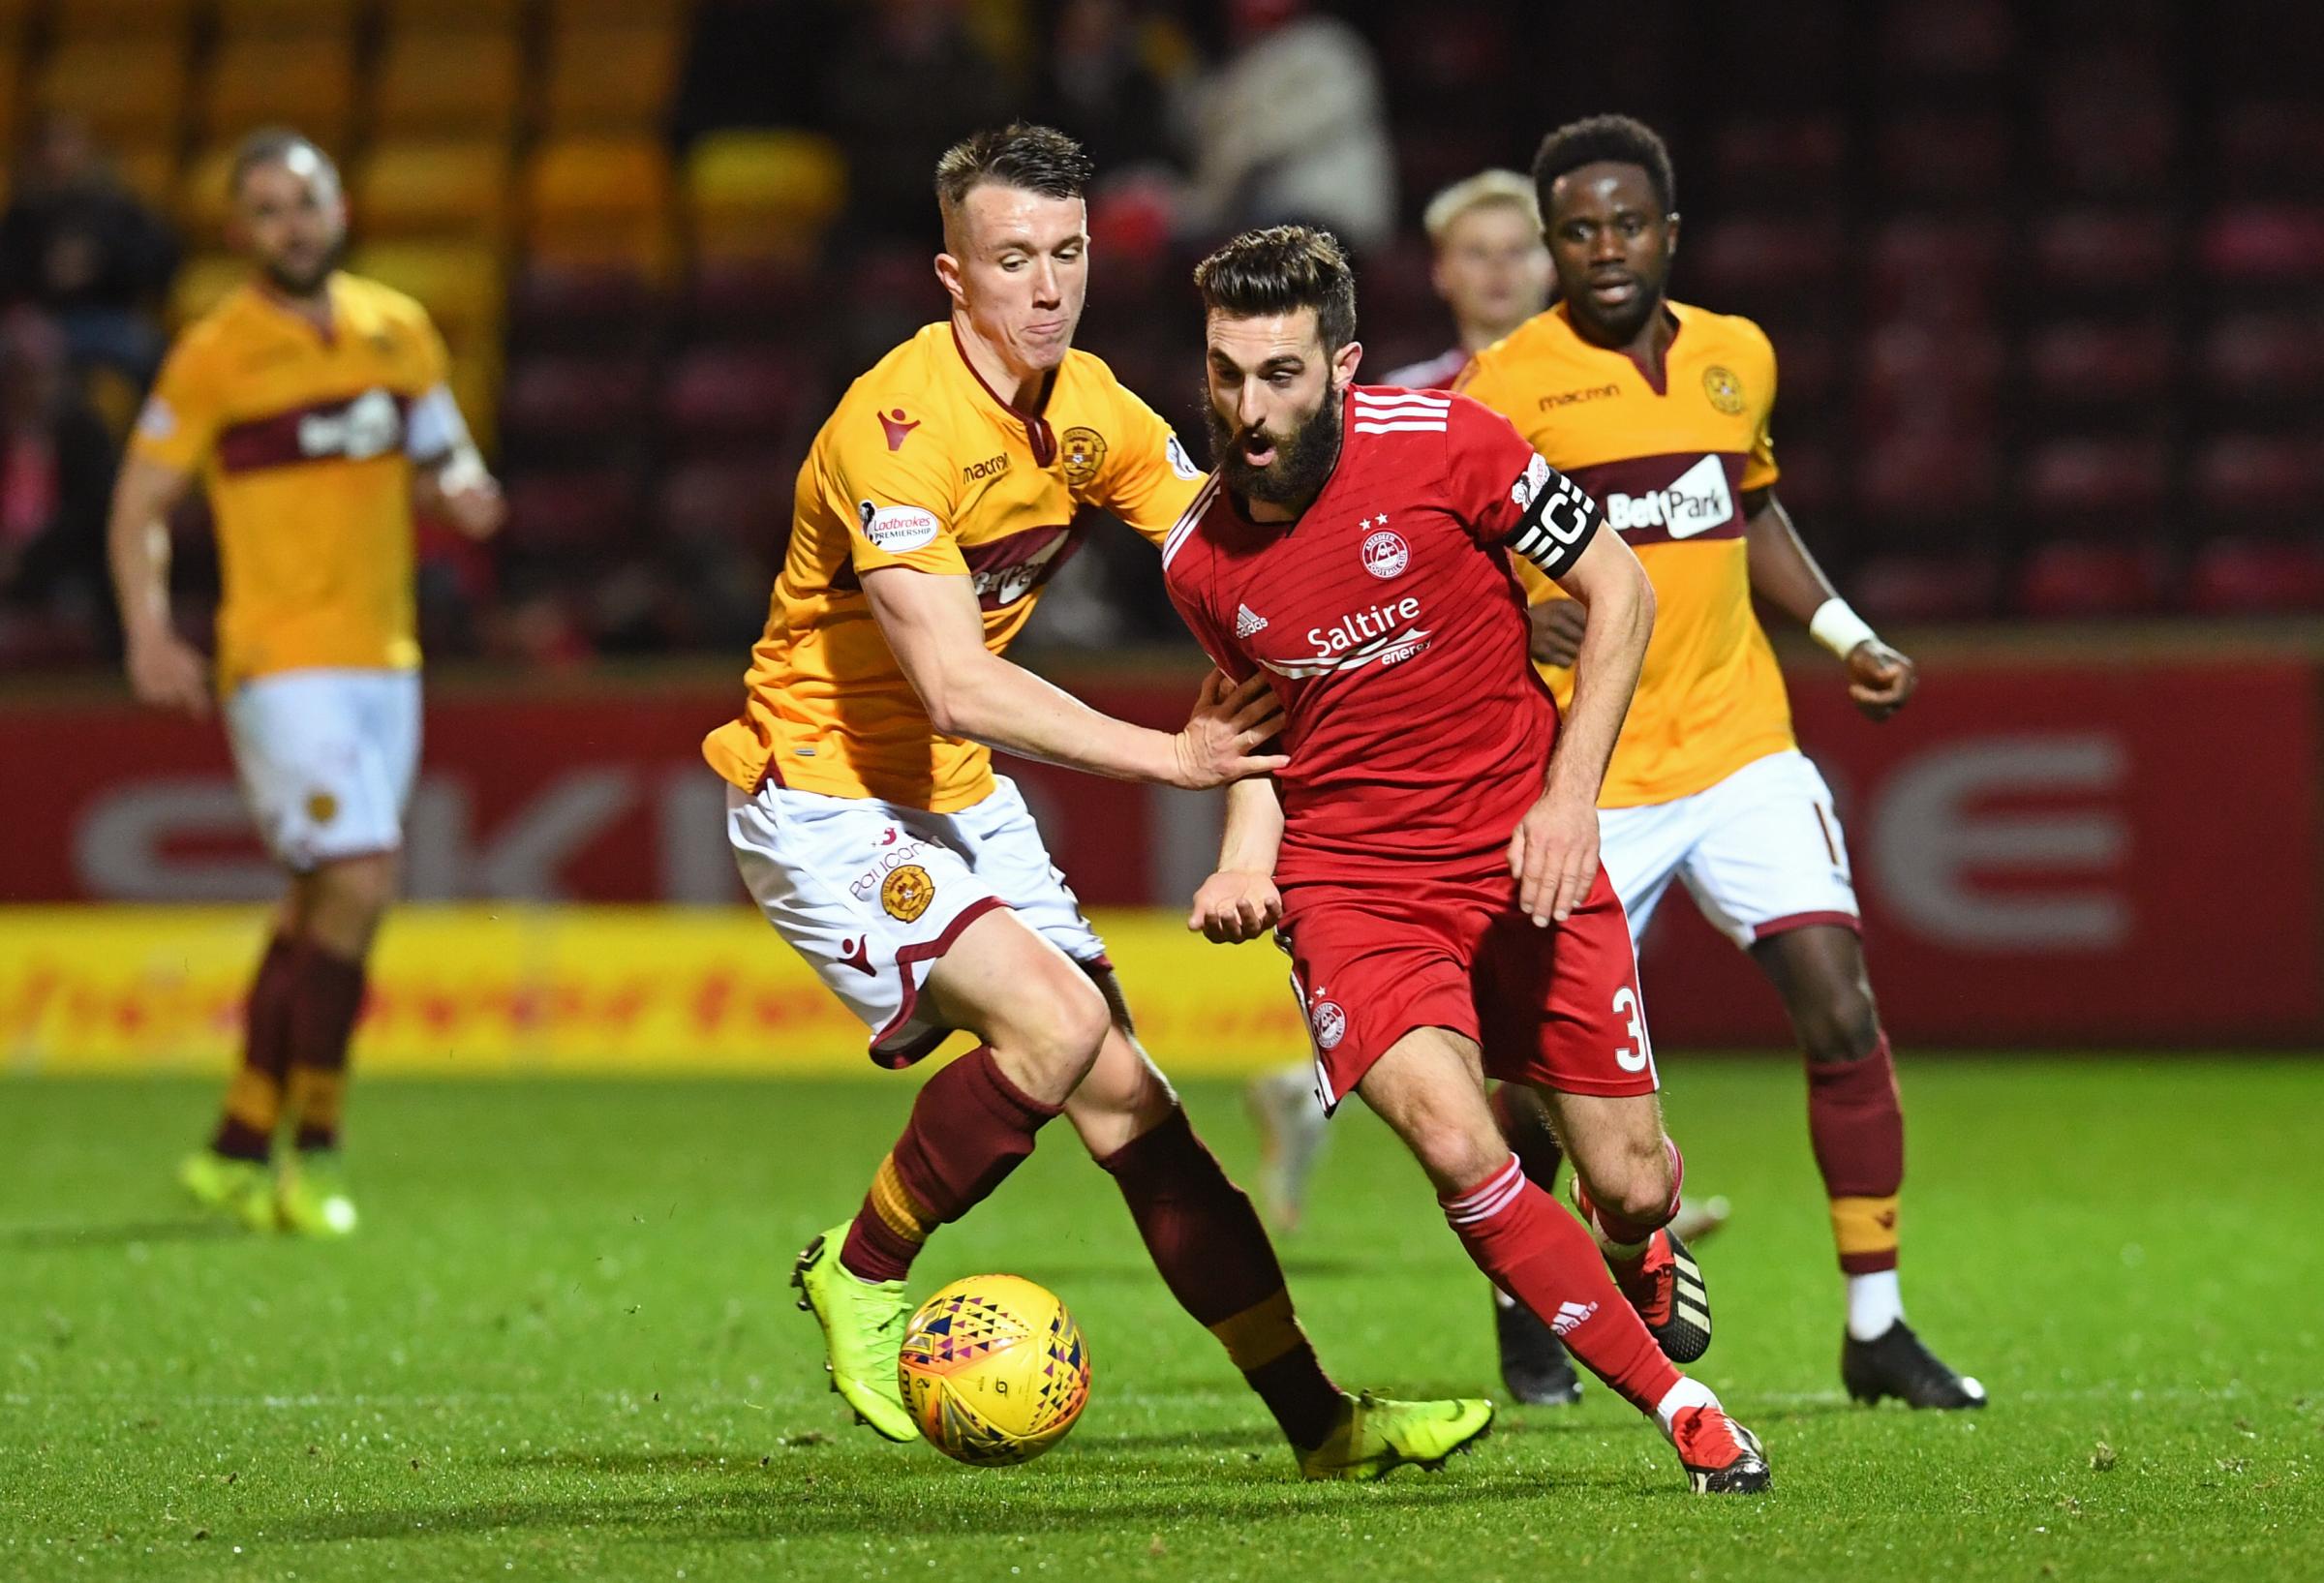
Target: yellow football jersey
924, 466
1670, 466
300, 437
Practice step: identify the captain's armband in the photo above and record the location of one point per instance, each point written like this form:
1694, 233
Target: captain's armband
1556, 520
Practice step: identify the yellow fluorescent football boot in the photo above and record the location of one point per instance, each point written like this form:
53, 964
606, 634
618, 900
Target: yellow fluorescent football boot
311, 1195
863, 1330
239, 1190
1376, 1436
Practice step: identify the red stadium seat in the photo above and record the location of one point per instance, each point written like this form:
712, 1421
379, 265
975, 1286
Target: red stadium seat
2109, 250
2254, 482
2098, 484
595, 508
2258, 356
2272, 147
1929, 266
748, 299
2257, 577
2077, 578
1937, 477
566, 306
1961, 586
727, 401
1767, 259
1918, 377
1780, 156
2264, 244
1945, 154
1948, 38
2110, 128
747, 501
574, 405
2081, 363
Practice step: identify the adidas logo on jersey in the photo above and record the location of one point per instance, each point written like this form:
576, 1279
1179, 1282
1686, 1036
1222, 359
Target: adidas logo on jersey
1695, 501
1248, 620
1570, 1315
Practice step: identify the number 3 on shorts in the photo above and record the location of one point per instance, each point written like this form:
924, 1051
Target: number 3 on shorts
1638, 1055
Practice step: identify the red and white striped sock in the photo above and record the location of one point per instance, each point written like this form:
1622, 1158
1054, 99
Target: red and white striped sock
1530, 1247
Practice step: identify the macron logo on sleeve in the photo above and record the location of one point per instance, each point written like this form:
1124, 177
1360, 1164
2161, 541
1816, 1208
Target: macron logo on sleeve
897, 428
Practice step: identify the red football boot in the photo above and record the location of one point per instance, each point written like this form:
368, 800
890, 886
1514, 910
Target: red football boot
1720, 1456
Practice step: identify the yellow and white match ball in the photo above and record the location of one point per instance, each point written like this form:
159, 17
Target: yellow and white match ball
994, 1370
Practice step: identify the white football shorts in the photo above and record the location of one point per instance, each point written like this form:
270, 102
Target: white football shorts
1761, 852
872, 892
326, 759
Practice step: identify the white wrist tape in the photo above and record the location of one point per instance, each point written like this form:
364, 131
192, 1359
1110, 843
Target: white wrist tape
1838, 628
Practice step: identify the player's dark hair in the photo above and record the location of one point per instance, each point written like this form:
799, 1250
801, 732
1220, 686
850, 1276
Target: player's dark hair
1032, 159
267, 146
1610, 139
1280, 270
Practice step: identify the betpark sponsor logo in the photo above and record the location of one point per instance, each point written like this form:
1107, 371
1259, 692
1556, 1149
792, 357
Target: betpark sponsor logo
1694, 503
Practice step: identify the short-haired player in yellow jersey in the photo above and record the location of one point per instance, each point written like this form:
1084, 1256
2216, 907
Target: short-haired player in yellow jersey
313, 407
948, 486
1660, 410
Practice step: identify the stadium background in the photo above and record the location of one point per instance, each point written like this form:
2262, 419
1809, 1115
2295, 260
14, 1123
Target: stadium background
2046, 283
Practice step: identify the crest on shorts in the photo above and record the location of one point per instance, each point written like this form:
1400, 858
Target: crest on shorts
1082, 452
1725, 391
907, 891
321, 808
1330, 1022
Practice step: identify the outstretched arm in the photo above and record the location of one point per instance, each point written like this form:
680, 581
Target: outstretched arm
933, 624
1880, 679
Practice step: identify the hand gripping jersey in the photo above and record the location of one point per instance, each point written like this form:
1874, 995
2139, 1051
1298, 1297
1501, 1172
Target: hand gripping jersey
1386, 617
923, 466
306, 439
1671, 467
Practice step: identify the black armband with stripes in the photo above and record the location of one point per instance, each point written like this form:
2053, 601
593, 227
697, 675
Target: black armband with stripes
1559, 518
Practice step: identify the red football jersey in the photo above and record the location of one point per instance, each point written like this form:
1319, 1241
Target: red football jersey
1387, 616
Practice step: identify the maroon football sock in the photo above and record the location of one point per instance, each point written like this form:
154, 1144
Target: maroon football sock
971, 1126
254, 1103
327, 999
1213, 1255
1540, 1255
1856, 1126
1524, 1123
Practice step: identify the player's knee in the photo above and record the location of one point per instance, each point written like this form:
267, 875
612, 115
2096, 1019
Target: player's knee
345, 901
1062, 1027
1457, 1157
1636, 1182
1841, 1024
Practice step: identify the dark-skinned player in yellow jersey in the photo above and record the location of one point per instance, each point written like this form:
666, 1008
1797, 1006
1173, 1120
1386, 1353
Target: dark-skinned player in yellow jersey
1660, 410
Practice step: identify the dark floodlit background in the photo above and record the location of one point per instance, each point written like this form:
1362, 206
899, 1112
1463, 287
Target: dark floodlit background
2047, 282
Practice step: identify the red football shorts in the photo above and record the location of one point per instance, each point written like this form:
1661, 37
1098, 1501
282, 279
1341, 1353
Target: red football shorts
1557, 1007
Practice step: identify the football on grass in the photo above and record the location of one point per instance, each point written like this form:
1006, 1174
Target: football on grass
994, 1370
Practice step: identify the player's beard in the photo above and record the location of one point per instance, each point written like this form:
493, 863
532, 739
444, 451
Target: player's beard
1303, 460
305, 283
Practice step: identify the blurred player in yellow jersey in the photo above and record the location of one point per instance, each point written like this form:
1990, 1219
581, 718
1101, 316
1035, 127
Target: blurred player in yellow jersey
948, 486
313, 405
1662, 411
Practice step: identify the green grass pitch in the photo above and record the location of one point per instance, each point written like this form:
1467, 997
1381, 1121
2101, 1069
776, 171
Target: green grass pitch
562, 1347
